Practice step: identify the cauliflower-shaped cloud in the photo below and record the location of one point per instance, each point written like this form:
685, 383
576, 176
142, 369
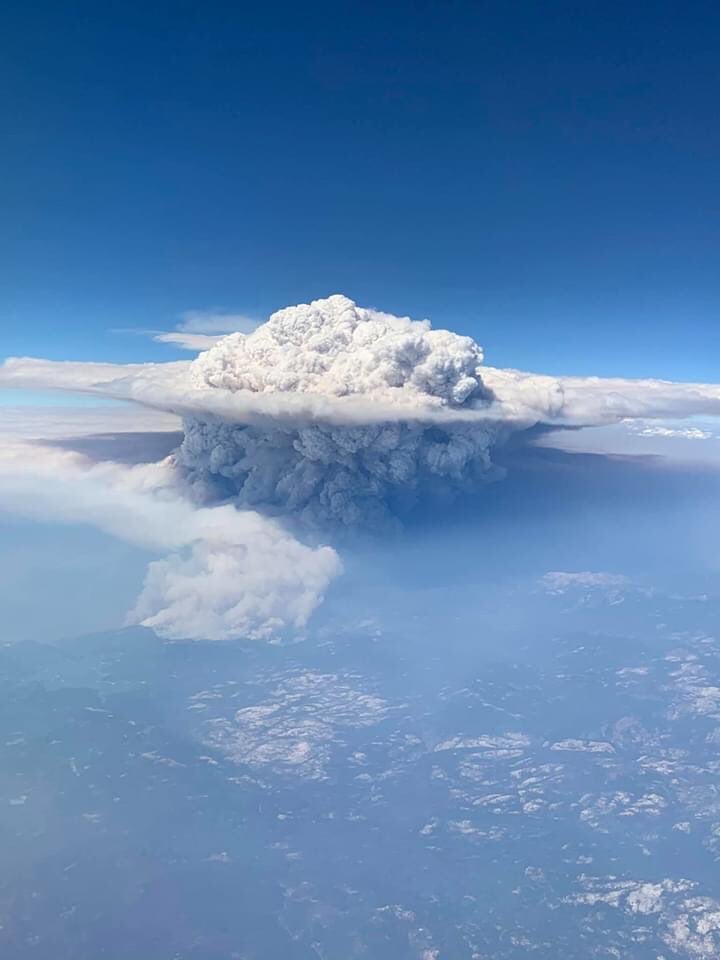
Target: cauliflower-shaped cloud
350, 473
335, 348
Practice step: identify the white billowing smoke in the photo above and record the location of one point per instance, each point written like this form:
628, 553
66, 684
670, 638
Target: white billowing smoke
243, 576
347, 472
225, 573
329, 412
334, 347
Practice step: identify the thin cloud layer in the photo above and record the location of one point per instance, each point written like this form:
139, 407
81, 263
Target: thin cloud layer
561, 581
198, 329
216, 322
43, 422
195, 342
202, 329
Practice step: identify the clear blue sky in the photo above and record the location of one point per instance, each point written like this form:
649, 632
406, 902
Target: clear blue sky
543, 176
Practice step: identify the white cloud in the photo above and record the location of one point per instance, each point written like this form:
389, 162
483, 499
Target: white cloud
216, 321
597, 401
202, 329
663, 430
51, 423
229, 573
31, 373
194, 342
333, 411
560, 581
198, 329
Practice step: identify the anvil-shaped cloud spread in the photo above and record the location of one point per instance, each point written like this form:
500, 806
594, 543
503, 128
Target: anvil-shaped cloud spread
328, 413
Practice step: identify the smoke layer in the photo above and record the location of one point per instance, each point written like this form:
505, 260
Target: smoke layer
354, 475
350, 473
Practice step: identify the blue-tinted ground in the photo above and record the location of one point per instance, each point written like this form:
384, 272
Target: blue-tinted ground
472, 755
369, 797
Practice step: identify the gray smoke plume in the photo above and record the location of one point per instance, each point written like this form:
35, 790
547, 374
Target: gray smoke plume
353, 473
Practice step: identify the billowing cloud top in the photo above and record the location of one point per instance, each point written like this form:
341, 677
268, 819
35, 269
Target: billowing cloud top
349, 472
333, 347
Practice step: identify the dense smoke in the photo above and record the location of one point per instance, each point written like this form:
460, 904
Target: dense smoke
352, 473
328, 412
334, 347
221, 573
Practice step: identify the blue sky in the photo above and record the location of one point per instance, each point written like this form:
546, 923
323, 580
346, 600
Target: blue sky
543, 177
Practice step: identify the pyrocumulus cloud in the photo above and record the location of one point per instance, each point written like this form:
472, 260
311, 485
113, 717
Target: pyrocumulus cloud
340, 472
328, 412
